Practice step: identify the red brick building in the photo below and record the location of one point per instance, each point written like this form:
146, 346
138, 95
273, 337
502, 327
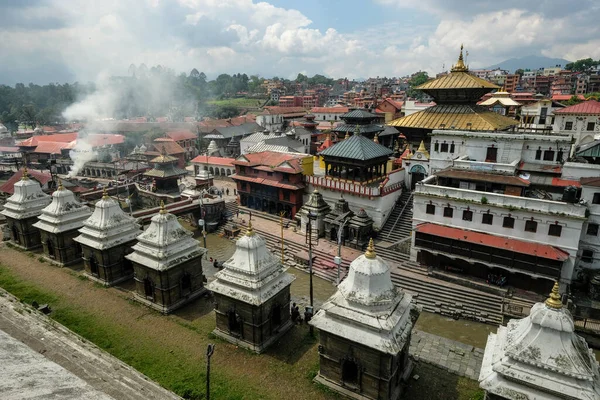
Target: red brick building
270, 182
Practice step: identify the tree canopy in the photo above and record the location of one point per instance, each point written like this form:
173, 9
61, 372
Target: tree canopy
582, 65
417, 79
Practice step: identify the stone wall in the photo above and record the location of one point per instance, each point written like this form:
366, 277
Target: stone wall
27, 235
113, 267
63, 250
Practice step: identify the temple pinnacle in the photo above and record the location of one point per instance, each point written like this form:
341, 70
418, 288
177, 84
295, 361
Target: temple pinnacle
60, 185
370, 253
250, 231
554, 301
25, 176
104, 194
163, 210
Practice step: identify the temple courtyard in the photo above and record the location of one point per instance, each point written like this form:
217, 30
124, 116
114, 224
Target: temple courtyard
171, 350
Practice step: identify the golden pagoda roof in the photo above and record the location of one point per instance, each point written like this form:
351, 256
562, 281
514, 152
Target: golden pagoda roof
455, 116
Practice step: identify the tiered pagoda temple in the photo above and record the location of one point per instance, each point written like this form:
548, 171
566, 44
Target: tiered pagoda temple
59, 224
167, 262
540, 357
358, 119
252, 295
22, 210
165, 173
365, 331
106, 238
357, 158
456, 95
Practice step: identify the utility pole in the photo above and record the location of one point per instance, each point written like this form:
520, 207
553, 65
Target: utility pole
311, 218
338, 259
209, 352
281, 214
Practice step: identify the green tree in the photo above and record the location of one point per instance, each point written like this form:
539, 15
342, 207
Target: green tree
417, 79
573, 100
582, 65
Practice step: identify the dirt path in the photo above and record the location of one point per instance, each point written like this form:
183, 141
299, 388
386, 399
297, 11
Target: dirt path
184, 334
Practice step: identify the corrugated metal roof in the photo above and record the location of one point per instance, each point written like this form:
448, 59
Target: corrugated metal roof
498, 242
450, 116
482, 177
589, 150
357, 147
359, 113
457, 80
371, 128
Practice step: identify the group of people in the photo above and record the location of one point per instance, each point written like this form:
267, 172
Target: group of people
297, 318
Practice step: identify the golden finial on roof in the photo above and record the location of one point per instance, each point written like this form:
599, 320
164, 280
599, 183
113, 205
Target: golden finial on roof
460, 64
370, 253
554, 301
347, 135
60, 185
104, 194
376, 138
422, 148
250, 231
357, 130
163, 210
25, 176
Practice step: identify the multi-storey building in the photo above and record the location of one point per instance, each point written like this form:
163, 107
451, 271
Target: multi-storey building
492, 206
581, 121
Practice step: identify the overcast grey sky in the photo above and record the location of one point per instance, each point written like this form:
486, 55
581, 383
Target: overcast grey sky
66, 40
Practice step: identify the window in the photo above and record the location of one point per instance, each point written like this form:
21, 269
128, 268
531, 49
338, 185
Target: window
530, 226
569, 126
508, 222
286, 196
430, 209
467, 215
452, 147
596, 199
448, 212
444, 148
487, 219
436, 146
491, 154
549, 155
538, 154
591, 126
242, 169
554, 230
587, 256
592, 229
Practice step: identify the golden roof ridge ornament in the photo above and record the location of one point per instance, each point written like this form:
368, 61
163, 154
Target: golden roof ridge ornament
163, 210
60, 185
460, 64
370, 253
554, 301
104, 194
25, 176
422, 148
347, 135
376, 138
250, 231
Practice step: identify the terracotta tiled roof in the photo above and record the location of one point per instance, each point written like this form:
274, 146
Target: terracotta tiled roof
566, 97
225, 161
41, 177
50, 147
170, 146
268, 182
9, 149
497, 242
101, 139
59, 137
590, 107
284, 110
181, 135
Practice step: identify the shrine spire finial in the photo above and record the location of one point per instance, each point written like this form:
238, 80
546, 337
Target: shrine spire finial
376, 138
60, 185
460, 64
250, 231
554, 301
163, 210
25, 176
104, 194
370, 253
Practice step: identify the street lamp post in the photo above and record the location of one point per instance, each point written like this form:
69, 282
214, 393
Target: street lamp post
311, 217
202, 221
338, 259
209, 352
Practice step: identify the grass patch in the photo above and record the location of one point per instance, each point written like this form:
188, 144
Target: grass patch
41, 259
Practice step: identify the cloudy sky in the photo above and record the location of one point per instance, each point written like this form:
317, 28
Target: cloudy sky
67, 40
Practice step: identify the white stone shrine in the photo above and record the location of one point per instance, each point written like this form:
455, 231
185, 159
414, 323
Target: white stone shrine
252, 295
106, 237
59, 224
540, 358
365, 330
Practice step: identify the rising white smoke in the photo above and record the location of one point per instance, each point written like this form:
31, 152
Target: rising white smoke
82, 153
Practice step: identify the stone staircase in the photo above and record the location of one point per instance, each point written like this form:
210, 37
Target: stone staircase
445, 298
398, 227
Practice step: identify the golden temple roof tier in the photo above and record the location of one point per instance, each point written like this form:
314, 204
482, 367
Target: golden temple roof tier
455, 116
457, 87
